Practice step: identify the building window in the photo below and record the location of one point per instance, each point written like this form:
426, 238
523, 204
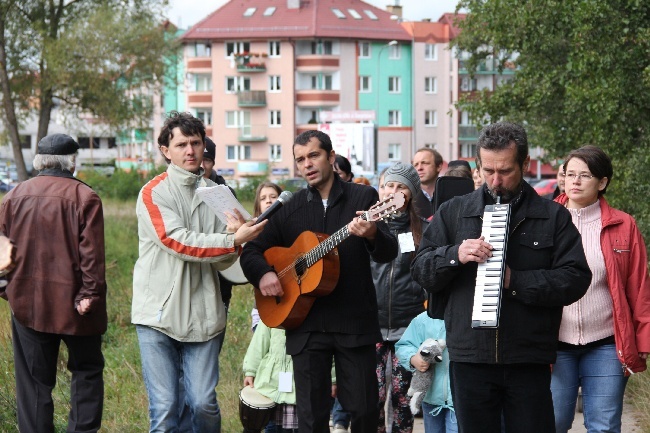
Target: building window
269, 11
275, 118
394, 85
275, 83
275, 152
468, 84
394, 118
321, 47
394, 151
84, 142
430, 52
322, 82
237, 153
205, 116
430, 85
431, 118
203, 82
364, 50
237, 84
236, 119
201, 49
327, 82
274, 48
364, 84
237, 48
394, 51
468, 150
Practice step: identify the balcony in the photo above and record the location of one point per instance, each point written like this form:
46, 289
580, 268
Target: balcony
487, 67
251, 98
315, 63
250, 62
317, 98
202, 63
467, 132
199, 98
252, 133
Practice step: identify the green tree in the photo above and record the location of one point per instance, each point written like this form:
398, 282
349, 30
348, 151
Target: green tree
582, 77
99, 57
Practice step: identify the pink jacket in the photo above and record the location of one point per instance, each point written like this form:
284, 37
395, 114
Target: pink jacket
626, 263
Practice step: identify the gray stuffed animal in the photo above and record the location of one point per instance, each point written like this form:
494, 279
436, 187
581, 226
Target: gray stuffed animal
431, 351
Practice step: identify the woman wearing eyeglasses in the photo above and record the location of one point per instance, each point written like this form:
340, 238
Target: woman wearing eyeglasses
605, 336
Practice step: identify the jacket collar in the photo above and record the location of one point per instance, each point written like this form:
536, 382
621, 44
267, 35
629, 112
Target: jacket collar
184, 177
608, 215
532, 205
335, 192
57, 172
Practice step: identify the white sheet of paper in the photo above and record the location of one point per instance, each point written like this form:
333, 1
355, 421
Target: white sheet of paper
406, 243
286, 382
221, 200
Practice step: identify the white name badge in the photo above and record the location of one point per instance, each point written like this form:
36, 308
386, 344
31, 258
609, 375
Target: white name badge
406, 243
286, 382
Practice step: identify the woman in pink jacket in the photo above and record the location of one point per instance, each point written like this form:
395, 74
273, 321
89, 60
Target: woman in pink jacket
605, 336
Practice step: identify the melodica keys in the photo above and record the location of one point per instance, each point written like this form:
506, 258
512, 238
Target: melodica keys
489, 276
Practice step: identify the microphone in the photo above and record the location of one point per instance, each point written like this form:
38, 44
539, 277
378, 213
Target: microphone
284, 198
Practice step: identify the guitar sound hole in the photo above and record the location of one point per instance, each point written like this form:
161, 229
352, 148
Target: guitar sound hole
301, 267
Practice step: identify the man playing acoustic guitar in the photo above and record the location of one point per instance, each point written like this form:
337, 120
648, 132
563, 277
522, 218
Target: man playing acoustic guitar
342, 325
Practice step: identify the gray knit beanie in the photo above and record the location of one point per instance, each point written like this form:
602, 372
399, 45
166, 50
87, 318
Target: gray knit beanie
406, 174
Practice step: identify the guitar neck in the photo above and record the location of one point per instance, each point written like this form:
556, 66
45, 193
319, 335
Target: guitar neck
320, 250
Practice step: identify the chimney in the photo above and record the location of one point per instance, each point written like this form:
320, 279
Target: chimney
426, 20
293, 4
395, 9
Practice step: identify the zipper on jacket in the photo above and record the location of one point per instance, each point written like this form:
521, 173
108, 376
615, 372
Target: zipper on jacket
616, 250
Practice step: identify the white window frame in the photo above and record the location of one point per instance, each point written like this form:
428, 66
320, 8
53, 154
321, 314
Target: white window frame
242, 152
237, 47
240, 83
205, 114
274, 49
207, 50
394, 149
430, 85
275, 118
394, 51
430, 118
394, 118
368, 84
395, 83
275, 152
364, 50
239, 118
275, 83
430, 52
205, 79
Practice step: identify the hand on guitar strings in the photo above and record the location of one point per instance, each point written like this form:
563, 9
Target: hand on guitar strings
363, 228
474, 250
270, 285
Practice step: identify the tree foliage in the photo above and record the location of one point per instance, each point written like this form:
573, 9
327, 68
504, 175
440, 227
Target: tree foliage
582, 77
98, 57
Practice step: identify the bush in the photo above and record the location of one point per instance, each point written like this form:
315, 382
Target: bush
122, 185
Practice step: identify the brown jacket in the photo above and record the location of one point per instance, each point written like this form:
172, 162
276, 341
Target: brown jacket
57, 225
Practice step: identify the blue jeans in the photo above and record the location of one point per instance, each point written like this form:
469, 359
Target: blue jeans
444, 422
163, 361
339, 416
600, 374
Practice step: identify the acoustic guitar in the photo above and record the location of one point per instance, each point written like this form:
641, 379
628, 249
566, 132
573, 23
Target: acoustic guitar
309, 269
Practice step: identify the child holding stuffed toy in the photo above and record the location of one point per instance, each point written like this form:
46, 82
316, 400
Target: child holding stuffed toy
437, 406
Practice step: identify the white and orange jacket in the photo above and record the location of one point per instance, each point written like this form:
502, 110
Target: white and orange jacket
182, 245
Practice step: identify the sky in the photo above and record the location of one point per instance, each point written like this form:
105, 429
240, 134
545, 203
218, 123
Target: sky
186, 13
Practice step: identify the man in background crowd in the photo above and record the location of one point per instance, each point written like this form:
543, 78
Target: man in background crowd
428, 163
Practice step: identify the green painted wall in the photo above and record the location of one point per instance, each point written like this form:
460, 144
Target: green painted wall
380, 67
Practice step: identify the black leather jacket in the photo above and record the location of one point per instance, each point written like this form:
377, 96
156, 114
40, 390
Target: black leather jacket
399, 298
548, 271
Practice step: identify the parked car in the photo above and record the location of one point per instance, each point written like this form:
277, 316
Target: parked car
6, 185
546, 186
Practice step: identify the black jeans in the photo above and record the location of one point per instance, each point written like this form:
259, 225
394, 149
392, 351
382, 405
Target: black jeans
356, 383
522, 392
35, 360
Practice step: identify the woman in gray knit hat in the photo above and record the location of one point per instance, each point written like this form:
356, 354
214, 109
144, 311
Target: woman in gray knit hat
399, 298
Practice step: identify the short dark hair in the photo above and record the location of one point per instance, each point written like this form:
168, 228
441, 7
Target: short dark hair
324, 139
343, 164
188, 124
599, 163
437, 157
500, 136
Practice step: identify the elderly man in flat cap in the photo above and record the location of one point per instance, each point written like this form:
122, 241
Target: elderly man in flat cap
57, 290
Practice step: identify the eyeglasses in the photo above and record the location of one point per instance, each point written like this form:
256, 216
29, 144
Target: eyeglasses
581, 177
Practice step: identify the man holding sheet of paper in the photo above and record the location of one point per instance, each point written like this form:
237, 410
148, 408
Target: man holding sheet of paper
177, 306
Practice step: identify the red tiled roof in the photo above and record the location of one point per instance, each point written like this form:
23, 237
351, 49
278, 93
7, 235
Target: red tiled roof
452, 19
428, 32
314, 18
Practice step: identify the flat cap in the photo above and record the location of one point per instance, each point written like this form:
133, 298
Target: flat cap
57, 144
210, 149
